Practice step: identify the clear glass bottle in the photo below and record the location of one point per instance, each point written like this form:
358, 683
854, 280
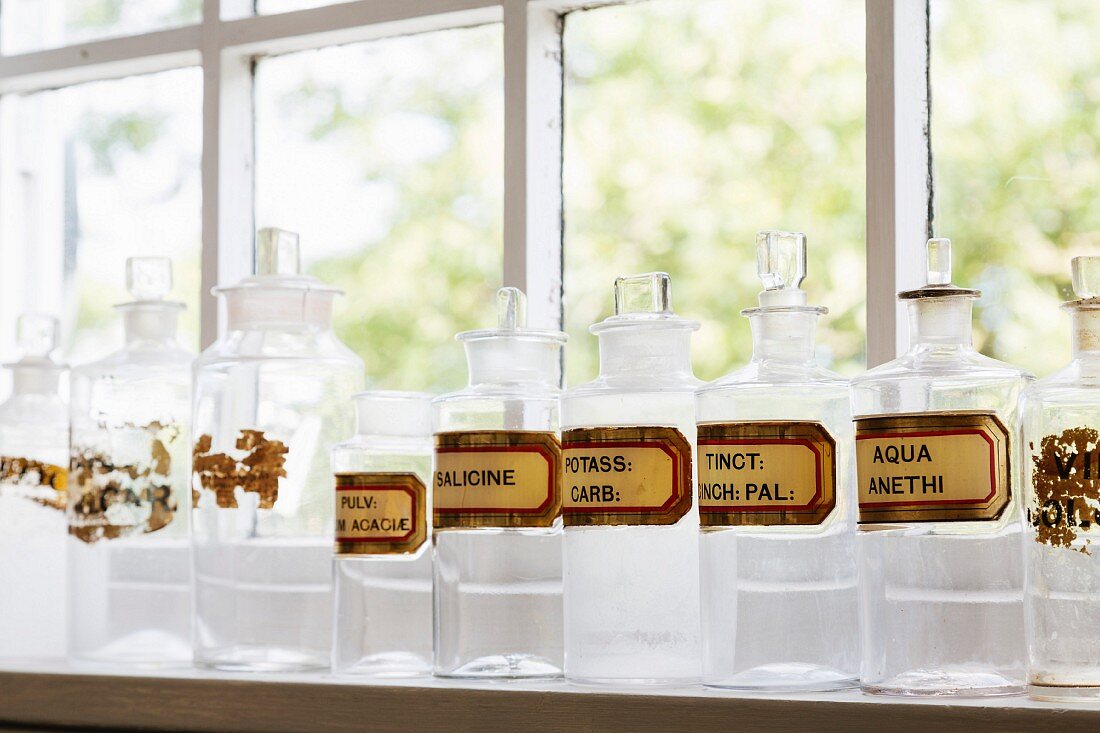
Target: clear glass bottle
272, 396
383, 563
777, 500
129, 556
34, 470
497, 504
1060, 423
631, 547
941, 571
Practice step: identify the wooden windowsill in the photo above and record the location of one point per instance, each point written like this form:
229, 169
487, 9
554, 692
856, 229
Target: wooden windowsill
57, 697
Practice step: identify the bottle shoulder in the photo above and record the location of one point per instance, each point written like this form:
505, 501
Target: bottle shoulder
136, 361
635, 384
500, 390
763, 373
942, 364
271, 344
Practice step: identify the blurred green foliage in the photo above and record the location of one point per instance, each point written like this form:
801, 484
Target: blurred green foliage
690, 125
1015, 115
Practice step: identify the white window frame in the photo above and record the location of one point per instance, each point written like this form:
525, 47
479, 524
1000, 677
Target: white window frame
229, 39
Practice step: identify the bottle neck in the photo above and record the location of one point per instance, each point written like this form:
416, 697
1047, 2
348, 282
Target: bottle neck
945, 321
278, 307
1086, 332
29, 379
514, 360
150, 325
641, 351
783, 336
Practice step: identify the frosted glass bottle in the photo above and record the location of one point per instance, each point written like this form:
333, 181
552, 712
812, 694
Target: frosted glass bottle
777, 501
939, 506
129, 556
497, 504
34, 470
272, 396
631, 546
383, 563
1060, 418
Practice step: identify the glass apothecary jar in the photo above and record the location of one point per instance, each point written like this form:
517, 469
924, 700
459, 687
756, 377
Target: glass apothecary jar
383, 563
497, 504
631, 546
1060, 423
272, 396
777, 500
129, 554
941, 584
34, 470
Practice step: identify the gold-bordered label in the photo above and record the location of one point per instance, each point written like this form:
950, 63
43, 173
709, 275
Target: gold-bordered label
1064, 503
932, 467
496, 478
765, 474
628, 475
380, 513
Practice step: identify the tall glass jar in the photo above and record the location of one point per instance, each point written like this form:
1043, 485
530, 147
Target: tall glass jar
129, 556
939, 506
272, 396
383, 564
1060, 418
631, 548
497, 504
34, 460
777, 500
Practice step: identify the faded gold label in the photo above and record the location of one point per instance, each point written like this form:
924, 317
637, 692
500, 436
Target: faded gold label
380, 513
42, 483
630, 475
766, 473
932, 467
496, 478
1065, 482
111, 498
256, 467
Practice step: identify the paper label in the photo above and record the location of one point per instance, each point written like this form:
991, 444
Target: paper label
766, 473
42, 483
496, 478
932, 467
628, 475
1064, 503
380, 513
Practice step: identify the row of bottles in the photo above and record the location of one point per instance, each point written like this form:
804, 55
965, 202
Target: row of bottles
777, 529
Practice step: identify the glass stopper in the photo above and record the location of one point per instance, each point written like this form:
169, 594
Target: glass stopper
149, 278
277, 252
939, 261
511, 309
37, 334
1086, 277
781, 259
648, 293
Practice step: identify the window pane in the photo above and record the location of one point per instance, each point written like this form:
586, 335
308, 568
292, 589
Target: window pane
282, 6
1015, 110
387, 158
691, 124
94, 174
30, 25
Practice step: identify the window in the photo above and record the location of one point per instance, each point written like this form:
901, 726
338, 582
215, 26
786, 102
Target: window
1014, 116
430, 151
689, 126
93, 174
392, 173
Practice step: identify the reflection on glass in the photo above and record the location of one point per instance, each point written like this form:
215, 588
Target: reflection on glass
1017, 161
30, 25
691, 124
386, 156
94, 174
